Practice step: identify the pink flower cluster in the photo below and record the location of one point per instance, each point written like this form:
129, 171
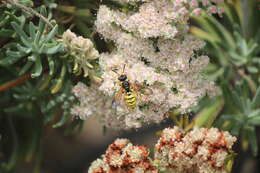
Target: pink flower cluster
198, 151
124, 157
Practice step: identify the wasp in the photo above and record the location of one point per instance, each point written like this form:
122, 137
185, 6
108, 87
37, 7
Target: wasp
127, 90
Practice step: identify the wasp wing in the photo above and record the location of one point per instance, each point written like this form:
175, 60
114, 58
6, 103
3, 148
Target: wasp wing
117, 100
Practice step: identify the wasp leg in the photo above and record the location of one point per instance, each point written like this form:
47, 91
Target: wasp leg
145, 89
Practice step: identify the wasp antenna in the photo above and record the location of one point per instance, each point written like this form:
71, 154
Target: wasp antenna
124, 68
115, 71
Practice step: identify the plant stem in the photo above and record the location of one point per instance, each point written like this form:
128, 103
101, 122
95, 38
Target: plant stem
29, 11
15, 82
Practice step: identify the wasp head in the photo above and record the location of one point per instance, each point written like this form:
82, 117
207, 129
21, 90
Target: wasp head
122, 78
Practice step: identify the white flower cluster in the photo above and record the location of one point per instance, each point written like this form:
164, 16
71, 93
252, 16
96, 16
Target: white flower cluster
122, 157
94, 102
81, 51
154, 18
87, 95
198, 151
158, 57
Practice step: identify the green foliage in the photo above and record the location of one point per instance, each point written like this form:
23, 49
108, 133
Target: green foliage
230, 43
242, 114
245, 53
35, 46
208, 113
37, 85
80, 14
233, 44
32, 111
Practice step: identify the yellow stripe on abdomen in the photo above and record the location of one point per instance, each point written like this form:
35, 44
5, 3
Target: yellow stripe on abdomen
130, 100
129, 96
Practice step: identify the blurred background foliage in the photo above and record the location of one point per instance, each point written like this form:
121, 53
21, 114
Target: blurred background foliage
233, 45
36, 81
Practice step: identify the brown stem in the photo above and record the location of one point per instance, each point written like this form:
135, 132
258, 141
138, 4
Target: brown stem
29, 11
15, 82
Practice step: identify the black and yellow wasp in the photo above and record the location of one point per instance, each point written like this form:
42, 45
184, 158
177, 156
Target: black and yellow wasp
127, 91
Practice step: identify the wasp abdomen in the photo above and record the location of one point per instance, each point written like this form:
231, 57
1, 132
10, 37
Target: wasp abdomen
130, 100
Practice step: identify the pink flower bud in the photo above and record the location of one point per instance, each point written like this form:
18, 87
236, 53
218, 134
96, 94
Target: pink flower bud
194, 3
205, 2
197, 12
213, 9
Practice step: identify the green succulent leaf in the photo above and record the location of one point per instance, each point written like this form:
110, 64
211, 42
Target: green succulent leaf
63, 120
42, 23
26, 67
231, 98
14, 54
206, 116
26, 42
251, 136
51, 34
45, 83
59, 83
9, 60
256, 99
252, 69
236, 127
32, 30
6, 33
51, 66
254, 113
37, 68
53, 50
25, 50
19, 30
255, 121
15, 108
225, 34
76, 125
49, 117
